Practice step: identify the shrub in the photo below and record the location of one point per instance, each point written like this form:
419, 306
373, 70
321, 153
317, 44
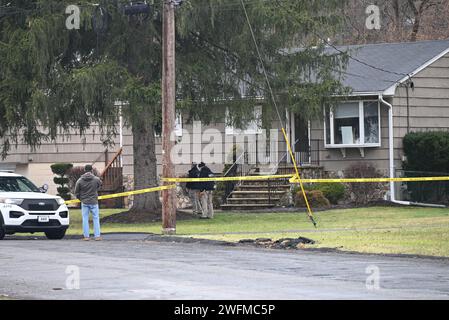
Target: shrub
219, 194
61, 170
427, 151
63, 190
334, 192
363, 192
427, 155
217, 198
60, 181
315, 198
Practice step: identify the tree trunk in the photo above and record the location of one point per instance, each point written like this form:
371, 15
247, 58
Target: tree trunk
145, 168
397, 16
416, 26
417, 16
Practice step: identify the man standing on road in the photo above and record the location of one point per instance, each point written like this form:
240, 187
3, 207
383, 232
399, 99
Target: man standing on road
206, 192
86, 190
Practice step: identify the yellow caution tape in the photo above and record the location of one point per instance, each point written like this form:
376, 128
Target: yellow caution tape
294, 179
240, 178
127, 193
351, 180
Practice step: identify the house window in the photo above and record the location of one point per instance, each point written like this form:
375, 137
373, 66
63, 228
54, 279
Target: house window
353, 124
371, 121
347, 124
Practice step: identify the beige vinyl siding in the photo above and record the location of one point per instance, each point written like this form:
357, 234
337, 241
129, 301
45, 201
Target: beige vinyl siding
35, 164
428, 103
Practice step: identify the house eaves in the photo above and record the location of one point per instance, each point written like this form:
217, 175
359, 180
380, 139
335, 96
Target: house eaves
391, 90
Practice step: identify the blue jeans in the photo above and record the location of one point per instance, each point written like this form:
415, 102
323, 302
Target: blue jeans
85, 209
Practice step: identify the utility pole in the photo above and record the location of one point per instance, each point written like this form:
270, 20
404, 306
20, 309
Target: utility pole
168, 114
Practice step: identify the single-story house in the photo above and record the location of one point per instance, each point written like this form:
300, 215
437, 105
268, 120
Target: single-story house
396, 88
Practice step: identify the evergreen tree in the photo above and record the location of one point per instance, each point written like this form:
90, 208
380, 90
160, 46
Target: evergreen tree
53, 80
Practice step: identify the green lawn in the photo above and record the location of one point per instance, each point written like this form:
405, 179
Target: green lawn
409, 230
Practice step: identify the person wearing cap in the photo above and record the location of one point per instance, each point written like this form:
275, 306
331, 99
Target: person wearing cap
86, 190
192, 188
206, 192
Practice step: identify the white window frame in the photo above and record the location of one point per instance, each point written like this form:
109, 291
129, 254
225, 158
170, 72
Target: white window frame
361, 128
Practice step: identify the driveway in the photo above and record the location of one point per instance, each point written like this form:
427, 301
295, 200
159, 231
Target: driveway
140, 266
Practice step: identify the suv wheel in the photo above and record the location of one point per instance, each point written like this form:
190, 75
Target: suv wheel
55, 234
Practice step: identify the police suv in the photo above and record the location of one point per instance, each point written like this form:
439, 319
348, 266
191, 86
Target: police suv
25, 208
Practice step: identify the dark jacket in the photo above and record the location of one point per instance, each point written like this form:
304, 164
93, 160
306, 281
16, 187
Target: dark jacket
86, 188
193, 173
206, 185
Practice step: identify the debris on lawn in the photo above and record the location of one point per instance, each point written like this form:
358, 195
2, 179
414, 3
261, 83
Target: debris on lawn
284, 243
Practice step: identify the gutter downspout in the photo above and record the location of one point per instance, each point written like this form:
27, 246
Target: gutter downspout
391, 160
390, 145
391, 149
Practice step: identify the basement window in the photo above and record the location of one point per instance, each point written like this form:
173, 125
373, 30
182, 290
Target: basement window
353, 124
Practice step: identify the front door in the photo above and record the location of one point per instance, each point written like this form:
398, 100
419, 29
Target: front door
301, 140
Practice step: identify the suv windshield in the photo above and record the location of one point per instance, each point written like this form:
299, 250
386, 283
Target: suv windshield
17, 184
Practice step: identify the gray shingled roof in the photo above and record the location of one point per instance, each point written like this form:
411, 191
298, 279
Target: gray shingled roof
399, 59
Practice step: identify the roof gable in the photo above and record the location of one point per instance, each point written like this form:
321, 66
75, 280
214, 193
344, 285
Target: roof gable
374, 68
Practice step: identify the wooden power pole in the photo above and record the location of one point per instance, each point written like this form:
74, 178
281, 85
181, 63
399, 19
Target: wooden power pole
168, 114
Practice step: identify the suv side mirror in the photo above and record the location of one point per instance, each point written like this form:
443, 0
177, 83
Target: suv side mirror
44, 188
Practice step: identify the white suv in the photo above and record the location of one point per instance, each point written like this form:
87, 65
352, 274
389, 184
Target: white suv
26, 208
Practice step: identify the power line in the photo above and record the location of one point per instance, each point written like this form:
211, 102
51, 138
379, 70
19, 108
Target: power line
361, 76
309, 210
262, 63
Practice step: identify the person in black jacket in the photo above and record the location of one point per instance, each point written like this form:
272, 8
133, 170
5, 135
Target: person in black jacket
206, 192
193, 189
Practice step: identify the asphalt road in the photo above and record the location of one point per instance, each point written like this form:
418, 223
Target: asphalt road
137, 267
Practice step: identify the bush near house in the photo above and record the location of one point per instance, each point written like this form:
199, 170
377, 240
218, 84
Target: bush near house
364, 193
427, 151
427, 154
222, 187
315, 198
334, 192
61, 169
218, 196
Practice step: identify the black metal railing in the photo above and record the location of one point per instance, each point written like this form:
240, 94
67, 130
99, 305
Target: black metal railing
239, 168
250, 159
311, 156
